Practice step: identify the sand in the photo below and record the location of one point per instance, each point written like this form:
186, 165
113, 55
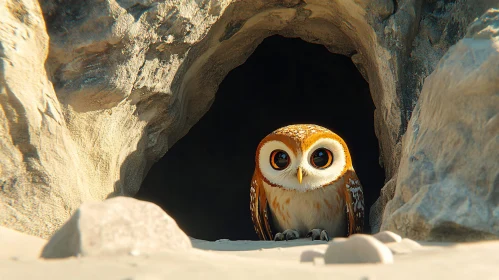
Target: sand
247, 260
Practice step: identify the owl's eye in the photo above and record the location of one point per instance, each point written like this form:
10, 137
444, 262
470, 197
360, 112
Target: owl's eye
279, 159
321, 158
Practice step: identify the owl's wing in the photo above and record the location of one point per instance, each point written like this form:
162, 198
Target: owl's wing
354, 198
259, 209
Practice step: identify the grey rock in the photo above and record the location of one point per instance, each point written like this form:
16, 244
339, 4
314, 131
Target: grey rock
358, 248
448, 181
377, 209
117, 226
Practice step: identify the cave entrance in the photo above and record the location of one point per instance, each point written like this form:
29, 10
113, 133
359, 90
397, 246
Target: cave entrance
203, 181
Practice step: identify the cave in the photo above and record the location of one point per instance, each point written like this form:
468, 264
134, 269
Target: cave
203, 180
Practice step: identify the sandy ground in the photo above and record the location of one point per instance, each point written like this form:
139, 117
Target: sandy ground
246, 260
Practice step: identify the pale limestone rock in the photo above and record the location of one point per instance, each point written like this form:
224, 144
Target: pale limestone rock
42, 179
448, 181
358, 248
311, 255
441, 24
405, 246
387, 237
118, 226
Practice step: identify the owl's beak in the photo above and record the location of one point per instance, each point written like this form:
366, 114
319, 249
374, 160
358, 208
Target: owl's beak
299, 174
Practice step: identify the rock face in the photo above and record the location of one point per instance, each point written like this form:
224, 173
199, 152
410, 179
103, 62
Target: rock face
42, 179
117, 226
448, 181
377, 209
92, 93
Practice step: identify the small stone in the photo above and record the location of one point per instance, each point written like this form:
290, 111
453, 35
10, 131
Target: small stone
359, 248
387, 237
311, 255
117, 226
405, 246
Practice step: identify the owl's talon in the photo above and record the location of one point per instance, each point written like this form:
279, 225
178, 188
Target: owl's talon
318, 234
314, 234
279, 237
324, 235
288, 234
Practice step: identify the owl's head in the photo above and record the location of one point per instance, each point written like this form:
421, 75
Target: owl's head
302, 157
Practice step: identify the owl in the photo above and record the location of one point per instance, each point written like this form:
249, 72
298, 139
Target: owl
304, 180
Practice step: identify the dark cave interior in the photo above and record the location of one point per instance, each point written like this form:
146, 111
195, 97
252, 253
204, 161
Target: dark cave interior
203, 181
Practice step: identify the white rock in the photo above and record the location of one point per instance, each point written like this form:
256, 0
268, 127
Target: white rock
118, 226
387, 237
311, 255
359, 248
405, 246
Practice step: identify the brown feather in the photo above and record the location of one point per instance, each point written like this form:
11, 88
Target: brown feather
354, 199
258, 207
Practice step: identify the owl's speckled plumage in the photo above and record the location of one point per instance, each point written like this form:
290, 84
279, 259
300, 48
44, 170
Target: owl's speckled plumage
328, 198
301, 131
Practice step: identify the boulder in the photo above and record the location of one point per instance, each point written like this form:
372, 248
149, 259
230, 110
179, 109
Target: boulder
358, 248
311, 255
387, 237
117, 226
404, 246
448, 181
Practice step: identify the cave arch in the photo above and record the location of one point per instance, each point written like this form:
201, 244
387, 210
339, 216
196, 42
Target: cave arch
340, 27
343, 28
284, 81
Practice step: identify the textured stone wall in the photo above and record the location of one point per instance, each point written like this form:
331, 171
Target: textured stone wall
448, 180
41, 176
